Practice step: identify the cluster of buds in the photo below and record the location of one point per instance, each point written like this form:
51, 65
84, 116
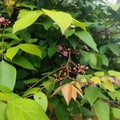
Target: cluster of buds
63, 51
66, 51
4, 21
79, 69
68, 71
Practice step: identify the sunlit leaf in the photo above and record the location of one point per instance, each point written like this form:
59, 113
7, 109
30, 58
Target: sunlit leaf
67, 93
41, 99
114, 73
106, 83
96, 80
7, 75
11, 52
116, 113
80, 24
63, 19
31, 91
4, 89
102, 110
24, 109
25, 19
2, 111
99, 74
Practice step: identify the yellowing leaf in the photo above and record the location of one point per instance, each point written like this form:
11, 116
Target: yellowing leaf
74, 93
10, 2
79, 92
25, 19
96, 80
107, 84
78, 89
67, 93
80, 24
63, 19
114, 73
11, 52
83, 80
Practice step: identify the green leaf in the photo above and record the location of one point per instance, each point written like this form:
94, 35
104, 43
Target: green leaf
93, 60
30, 81
31, 48
99, 61
12, 36
87, 39
24, 109
69, 32
25, 19
7, 75
63, 19
100, 74
116, 113
51, 51
8, 96
61, 113
92, 93
105, 60
115, 95
23, 62
78, 23
4, 89
11, 52
85, 111
2, 111
102, 110
73, 42
31, 91
41, 99
114, 48
114, 73
50, 84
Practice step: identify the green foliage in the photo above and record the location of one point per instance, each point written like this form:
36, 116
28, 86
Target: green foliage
7, 75
55, 52
102, 110
41, 99
25, 19
24, 109
87, 38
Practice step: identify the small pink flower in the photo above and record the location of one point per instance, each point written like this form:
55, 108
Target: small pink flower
65, 53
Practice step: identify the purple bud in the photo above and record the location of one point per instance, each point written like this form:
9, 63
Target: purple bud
65, 53
59, 48
2, 19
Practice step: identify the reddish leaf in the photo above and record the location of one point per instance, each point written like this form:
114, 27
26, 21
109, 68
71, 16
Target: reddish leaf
57, 90
67, 93
74, 93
